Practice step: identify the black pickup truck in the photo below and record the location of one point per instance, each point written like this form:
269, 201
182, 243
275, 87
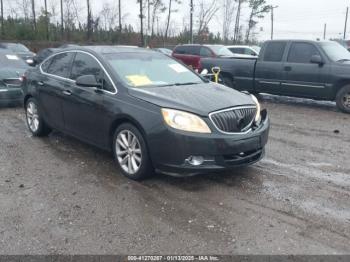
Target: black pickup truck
310, 69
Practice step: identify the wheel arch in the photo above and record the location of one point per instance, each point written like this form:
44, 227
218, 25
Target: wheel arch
339, 85
122, 119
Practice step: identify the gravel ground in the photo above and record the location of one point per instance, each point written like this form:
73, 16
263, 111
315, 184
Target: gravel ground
58, 195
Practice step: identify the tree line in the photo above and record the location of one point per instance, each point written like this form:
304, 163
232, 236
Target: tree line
77, 21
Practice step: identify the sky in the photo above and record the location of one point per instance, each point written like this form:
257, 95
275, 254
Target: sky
293, 18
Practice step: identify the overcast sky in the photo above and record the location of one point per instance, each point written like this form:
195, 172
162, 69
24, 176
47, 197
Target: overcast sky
293, 18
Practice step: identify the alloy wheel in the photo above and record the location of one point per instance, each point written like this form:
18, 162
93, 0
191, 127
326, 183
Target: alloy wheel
32, 116
128, 152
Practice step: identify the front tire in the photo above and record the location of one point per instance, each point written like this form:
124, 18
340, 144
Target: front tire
34, 119
343, 99
130, 153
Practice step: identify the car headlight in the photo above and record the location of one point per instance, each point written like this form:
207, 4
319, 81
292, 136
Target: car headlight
258, 109
185, 121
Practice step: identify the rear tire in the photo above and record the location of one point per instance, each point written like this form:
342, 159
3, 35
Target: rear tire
343, 99
34, 119
131, 154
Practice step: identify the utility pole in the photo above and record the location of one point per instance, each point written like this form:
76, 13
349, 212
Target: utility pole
47, 21
141, 20
191, 22
62, 26
2, 19
346, 22
324, 31
272, 20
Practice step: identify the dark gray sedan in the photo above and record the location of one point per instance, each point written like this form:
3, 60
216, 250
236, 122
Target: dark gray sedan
12, 69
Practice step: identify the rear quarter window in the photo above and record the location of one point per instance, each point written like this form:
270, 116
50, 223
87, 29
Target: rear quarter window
274, 51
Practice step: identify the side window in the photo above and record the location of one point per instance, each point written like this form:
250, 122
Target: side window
61, 64
85, 65
302, 53
205, 52
238, 51
46, 64
194, 50
274, 51
180, 50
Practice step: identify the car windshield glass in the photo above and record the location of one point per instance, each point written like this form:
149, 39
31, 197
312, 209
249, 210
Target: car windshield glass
221, 50
17, 48
150, 69
335, 51
256, 48
11, 60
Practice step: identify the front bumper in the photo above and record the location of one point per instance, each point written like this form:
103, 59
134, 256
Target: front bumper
171, 150
11, 96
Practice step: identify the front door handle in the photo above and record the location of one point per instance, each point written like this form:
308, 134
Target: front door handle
40, 83
288, 68
67, 92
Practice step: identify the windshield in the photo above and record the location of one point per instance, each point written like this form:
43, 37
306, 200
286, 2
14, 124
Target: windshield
150, 69
335, 51
11, 60
221, 50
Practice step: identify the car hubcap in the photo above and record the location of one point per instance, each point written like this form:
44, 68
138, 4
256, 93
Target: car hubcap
32, 117
128, 152
346, 100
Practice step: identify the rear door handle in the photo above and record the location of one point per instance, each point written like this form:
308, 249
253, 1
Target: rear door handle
67, 92
288, 68
40, 83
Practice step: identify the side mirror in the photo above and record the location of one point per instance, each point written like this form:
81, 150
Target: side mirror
87, 81
316, 59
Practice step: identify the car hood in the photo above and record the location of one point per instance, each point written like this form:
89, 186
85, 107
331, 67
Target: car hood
6, 73
200, 99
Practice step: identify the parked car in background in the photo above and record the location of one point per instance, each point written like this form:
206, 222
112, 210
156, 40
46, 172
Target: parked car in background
43, 54
149, 110
20, 50
12, 69
191, 54
165, 51
310, 69
244, 50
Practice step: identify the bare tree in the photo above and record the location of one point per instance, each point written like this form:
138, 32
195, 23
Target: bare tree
2, 18
47, 22
142, 40
206, 14
89, 21
229, 7
34, 15
108, 16
120, 15
158, 7
237, 31
62, 25
258, 9
170, 10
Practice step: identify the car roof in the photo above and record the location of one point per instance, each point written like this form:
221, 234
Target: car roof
109, 49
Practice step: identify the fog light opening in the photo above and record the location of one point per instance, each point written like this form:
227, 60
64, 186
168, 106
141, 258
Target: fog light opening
195, 160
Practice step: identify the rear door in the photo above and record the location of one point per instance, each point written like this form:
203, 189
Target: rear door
51, 85
301, 77
269, 68
83, 107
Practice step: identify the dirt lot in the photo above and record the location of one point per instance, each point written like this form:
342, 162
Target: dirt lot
58, 195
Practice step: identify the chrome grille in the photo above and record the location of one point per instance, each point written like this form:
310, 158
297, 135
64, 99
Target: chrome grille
234, 120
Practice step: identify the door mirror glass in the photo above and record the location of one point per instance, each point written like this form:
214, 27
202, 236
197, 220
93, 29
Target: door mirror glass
88, 81
316, 59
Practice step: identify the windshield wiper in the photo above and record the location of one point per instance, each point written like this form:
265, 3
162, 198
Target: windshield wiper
181, 84
343, 60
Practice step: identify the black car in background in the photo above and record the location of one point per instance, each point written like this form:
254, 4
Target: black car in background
149, 110
20, 50
301, 68
12, 69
